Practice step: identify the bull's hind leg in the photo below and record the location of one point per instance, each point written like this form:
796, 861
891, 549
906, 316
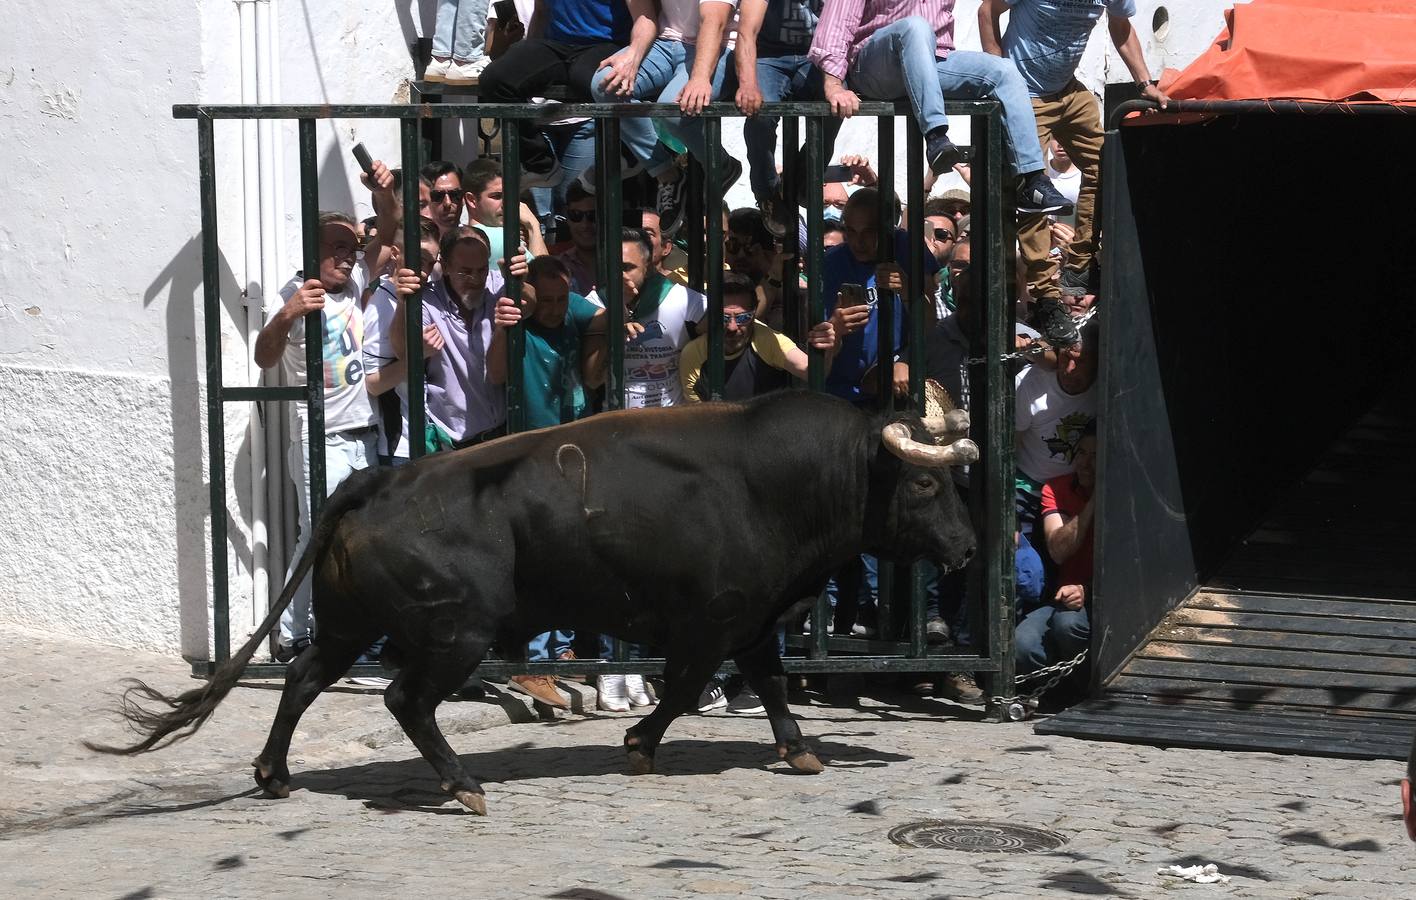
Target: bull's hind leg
413, 697
763, 669
684, 680
328, 657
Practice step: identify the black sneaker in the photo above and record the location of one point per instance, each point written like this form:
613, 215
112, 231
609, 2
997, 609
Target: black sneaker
539, 166
670, 202
940, 151
746, 703
1080, 282
284, 653
1055, 323
936, 631
773, 207
1038, 195
712, 697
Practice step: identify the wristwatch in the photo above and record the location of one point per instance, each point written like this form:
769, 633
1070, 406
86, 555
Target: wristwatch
1142, 85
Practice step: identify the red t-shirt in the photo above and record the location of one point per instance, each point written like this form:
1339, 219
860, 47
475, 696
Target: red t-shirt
1063, 495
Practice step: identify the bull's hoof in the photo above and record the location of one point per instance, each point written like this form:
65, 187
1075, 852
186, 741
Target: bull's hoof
275, 787
806, 761
473, 801
640, 763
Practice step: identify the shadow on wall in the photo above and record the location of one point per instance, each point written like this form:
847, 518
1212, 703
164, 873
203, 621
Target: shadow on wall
182, 278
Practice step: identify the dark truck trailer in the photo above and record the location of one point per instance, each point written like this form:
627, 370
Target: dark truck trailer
1255, 560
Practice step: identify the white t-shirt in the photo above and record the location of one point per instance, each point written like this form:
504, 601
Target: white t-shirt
651, 360
346, 401
678, 21
1050, 423
379, 352
1068, 184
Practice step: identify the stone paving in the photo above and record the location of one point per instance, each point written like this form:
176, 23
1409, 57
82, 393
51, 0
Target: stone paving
721, 816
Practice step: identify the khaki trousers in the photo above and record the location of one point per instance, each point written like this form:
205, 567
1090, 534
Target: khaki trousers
1074, 119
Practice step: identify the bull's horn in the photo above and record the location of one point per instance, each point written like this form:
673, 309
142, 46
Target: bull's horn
898, 440
948, 427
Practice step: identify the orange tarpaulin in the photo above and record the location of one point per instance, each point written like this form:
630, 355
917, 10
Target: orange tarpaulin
1348, 50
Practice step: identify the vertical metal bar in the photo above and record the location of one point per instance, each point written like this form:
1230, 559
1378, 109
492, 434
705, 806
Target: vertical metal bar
816, 301
694, 212
314, 321
885, 252
609, 212
216, 415
712, 133
793, 311
413, 305
885, 339
990, 258
918, 301
511, 245
815, 255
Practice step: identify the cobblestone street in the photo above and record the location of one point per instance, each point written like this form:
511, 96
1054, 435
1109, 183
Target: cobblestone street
722, 816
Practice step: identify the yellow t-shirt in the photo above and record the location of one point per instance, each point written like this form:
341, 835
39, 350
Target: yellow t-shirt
772, 348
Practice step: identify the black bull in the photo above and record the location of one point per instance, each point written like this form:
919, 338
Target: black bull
692, 529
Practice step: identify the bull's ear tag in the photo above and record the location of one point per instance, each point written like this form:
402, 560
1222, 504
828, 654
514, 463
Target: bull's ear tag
429, 512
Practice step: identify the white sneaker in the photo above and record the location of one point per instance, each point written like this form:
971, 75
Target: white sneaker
613, 697
469, 72
437, 70
638, 695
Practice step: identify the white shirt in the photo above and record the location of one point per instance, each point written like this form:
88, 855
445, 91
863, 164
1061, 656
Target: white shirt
651, 360
678, 21
1050, 423
347, 404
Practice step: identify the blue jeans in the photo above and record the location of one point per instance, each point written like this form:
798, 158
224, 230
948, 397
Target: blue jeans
461, 29
574, 146
778, 78
548, 645
1050, 634
344, 453
662, 75
898, 61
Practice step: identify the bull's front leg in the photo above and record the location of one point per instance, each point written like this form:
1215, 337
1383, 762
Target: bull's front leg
762, 667
684, 680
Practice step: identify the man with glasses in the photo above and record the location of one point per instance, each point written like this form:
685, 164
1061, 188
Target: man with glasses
579, 260
940, 234
756, 359
440, 195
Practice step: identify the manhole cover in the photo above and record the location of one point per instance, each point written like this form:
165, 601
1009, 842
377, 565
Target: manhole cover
976, 837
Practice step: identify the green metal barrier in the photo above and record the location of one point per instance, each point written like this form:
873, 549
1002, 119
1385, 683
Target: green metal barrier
991, 494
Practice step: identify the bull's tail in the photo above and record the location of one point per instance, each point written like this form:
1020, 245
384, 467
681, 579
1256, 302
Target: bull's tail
188, 711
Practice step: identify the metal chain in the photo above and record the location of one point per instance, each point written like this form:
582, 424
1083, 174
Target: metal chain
1058, 671
1034, 348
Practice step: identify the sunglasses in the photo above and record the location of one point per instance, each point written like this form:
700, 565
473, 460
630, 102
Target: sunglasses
439, 196
943, 234
732, 245
580, 215
742, 319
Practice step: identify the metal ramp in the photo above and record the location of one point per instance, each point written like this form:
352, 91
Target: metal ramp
1305, 640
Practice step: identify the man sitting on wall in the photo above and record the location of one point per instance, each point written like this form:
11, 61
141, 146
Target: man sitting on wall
335, 292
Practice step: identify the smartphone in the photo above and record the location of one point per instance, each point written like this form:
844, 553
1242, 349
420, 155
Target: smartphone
838, 173
506, 13
366, 162
852, 295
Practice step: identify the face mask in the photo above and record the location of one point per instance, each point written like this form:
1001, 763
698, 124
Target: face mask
832, 214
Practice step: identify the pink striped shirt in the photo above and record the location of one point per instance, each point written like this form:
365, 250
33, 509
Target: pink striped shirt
846, 24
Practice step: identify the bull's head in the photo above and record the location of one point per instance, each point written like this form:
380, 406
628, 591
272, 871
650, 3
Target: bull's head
924, 516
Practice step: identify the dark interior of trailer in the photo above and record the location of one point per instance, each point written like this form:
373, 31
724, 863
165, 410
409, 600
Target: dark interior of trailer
1256, 553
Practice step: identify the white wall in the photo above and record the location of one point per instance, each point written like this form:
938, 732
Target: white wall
103, 534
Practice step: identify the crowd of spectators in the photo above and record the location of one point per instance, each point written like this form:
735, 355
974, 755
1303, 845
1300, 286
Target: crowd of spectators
692, 52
